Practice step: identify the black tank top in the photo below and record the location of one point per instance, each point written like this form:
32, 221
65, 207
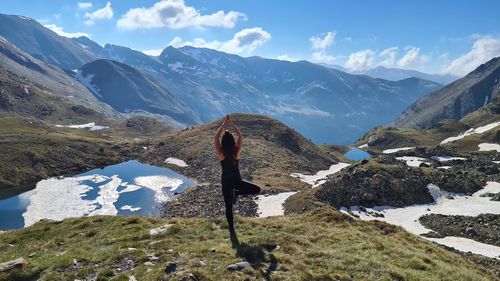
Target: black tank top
230, 170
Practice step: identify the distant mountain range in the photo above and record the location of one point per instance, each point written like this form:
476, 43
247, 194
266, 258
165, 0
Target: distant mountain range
193, 85
395, 74
42, 43
455, 100
127, 89
51, 79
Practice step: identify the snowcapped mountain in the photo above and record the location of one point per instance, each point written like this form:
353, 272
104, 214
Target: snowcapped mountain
49, 78
198, 85
127, 90
325, 104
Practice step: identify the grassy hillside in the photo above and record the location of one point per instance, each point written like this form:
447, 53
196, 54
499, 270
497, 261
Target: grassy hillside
32, 150
320, 245
382, 138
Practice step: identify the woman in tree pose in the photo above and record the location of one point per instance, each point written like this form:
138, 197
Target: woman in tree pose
229, 152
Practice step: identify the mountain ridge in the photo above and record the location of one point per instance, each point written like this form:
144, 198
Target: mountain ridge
455, 100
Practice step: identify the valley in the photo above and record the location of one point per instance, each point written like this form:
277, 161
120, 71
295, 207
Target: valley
108, 169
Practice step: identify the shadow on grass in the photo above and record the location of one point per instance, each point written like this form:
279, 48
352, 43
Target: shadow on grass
259, 256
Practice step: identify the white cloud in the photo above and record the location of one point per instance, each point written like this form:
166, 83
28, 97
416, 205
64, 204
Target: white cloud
360, 60
322, 57
412, 58
285, 57
176, 42
244, 41
175, 14
483, 49
105, 13
59, 30
320, 45
155, 52
348, 39
84, 5
389, 56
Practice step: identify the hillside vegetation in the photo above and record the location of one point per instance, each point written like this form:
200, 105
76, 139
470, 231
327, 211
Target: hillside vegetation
320, 245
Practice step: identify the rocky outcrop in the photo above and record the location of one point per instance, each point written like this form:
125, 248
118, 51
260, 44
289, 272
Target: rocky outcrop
484, 228
386, 181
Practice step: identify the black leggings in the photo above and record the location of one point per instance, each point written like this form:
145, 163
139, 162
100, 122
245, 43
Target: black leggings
240, 187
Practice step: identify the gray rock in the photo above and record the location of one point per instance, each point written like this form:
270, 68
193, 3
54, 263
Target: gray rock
171, 266
17, 263
232, 267
161, 229
148, 263
239, 266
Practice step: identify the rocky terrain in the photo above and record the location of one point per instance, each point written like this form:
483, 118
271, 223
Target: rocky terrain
483, 228
387, 181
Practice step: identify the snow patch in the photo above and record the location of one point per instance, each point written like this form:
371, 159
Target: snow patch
469, 245
108, 195
130, 208
320, 177
60, 198
176, 161
461, 204
87, 82
472, 131
175, 66
489, 147
444, 167
485, 100
157, 184
272, 205
413, 161
91, 126
394, 150
57, 199
447, 158
130, 188
363, 146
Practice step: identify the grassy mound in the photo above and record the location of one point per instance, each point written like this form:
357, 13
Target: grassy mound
320, 245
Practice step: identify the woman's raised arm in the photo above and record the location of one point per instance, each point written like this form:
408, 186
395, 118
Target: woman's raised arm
239, 144
217, 140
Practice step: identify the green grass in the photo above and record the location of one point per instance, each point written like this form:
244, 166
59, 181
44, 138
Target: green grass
32, 150
320, 245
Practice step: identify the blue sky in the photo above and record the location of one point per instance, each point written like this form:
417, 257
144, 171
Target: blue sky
432, 36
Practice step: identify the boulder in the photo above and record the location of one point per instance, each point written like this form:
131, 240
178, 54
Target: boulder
17, 263
161, 229
239, 266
